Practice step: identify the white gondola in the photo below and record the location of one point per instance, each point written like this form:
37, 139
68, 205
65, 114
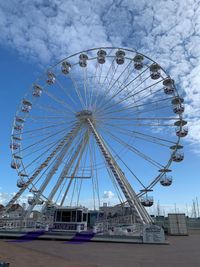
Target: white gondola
178, 156
120, 57
165, 170
30, 200
182, 131
66, 67
177, 100
138, 62
34, 190
155, 71
166, 180
16, 138
147, 201
22, 174
83, 60
17, 157
51, 78
26, 106
180, 123
18, 127
26, 109
178, 109
101, 56
15, 146
37, 90
168, 86
15, 164
21, 182
19, 119
26, 102
40, 202
177, 146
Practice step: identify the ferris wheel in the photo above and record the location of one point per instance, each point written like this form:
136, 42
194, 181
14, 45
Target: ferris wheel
102, 120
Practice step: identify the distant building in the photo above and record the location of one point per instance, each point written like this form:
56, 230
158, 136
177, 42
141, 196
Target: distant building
36, 215
15, 211
1, 209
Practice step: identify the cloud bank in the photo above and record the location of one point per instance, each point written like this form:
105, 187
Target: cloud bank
168, 31
5, 197
108, 194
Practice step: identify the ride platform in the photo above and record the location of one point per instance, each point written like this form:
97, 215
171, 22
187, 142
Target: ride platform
72, 237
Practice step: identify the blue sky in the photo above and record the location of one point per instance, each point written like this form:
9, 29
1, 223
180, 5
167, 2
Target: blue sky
35, 34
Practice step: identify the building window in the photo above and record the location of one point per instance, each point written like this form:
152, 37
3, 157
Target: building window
73, 216
85, 217
66, 216
79, 215
58, 216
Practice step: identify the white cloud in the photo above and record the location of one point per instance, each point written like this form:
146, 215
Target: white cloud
6, 197
108, 194
168, 31
48, 30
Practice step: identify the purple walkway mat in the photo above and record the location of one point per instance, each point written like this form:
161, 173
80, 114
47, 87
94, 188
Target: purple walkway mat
29, 236
80, 238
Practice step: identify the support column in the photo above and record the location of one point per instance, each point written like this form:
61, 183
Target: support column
68, 166
76, 167
54, 168
123, 183
41, 167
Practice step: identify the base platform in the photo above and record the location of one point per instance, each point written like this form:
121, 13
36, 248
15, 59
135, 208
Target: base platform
71, 237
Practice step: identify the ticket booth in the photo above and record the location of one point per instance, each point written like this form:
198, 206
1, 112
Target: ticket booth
70, 219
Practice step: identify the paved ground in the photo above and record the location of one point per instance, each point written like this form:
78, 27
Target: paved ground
182, 252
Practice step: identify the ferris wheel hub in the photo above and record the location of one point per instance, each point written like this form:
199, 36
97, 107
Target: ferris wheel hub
84, 115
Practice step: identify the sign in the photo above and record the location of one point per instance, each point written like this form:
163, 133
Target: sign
177, 224
67, 226
153, 234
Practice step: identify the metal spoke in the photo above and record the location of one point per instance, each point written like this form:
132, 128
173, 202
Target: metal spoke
121, 89
132, 95
59, 101
136, 151
43, 139
133, 174
77, 90
145, 137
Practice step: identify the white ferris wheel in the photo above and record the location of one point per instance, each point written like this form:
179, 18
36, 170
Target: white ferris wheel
102, 119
